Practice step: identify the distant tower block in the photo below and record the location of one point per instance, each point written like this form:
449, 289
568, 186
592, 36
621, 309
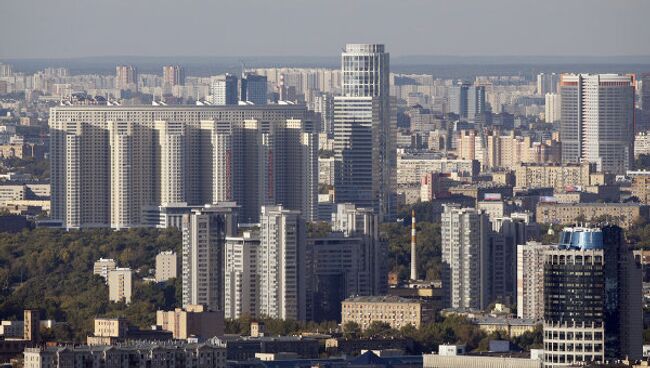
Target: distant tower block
414, 259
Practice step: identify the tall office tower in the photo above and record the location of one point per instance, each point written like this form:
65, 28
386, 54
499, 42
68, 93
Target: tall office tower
547, 83
457, 97
552, 107
507, 234
592, 298
204, 237
597, 120
224, 90
254, 89
281, 268
108, 163
365, 131
120, 285
465, 257
126, 77
530, 280
363, 223
173, 75
171, 145
240, 275
475, 102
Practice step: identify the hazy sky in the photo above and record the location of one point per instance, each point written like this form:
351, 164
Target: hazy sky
71, 28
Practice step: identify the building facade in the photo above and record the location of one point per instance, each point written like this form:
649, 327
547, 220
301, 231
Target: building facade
204, 235
153, 355
120, 285
465, 257
365, 124
597, 120
224, 90
194, 320
592, 298
530, 280
173, 75
166, 266
396, 311
241, 275
109, 163
281, 264
622, 214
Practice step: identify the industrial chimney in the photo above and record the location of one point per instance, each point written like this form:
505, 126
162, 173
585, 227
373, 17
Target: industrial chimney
414, 264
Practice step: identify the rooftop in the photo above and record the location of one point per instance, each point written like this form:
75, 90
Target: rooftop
380, 299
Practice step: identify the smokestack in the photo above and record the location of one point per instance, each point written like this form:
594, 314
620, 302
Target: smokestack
414, 259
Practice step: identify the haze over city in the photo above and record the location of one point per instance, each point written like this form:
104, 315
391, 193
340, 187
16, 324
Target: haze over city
74, 28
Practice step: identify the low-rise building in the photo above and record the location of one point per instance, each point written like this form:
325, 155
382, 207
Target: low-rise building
622, 214
555, 176
194, 320
110, 331
476, 361
641, 186
245, 347
512, 327
411, 167
142, 354
396, 311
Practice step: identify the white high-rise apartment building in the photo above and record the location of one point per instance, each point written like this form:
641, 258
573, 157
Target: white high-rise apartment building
365, 131
597, 120
204, 238
108, 163
281, 264
530, 280
552, 107
241, 289
171, 148
120, 285
465, 257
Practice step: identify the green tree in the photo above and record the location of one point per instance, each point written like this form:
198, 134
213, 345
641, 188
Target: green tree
351, 329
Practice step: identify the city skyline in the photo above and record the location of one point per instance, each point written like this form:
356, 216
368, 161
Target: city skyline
261, 211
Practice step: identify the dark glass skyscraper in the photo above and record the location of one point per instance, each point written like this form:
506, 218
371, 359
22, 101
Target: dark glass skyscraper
592, 298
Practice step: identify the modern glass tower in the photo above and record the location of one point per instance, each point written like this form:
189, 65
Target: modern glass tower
592, 298
365, 130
